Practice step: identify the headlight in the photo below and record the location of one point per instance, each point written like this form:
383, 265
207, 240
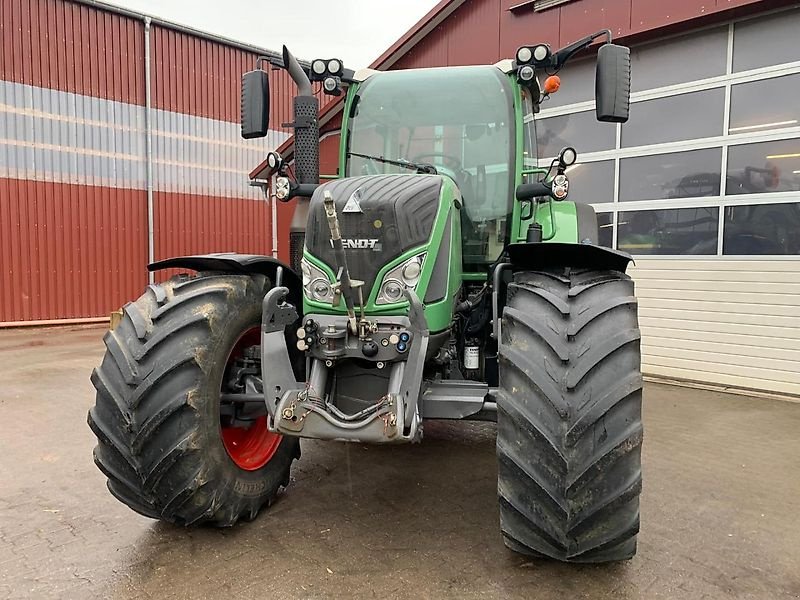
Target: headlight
411, 271
316, 284
392, 291
321, 290
402, 277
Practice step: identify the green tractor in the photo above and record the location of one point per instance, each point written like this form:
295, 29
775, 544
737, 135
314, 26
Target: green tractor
441, 275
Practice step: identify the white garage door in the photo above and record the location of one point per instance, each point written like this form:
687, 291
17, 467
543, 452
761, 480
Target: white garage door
702, 186
731, 322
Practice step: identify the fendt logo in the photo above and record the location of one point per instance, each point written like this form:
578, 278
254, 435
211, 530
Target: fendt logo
361, 244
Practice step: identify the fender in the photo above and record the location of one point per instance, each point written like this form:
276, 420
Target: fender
232, 262
545, 255
532, 256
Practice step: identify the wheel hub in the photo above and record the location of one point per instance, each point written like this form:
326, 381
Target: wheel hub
246, 438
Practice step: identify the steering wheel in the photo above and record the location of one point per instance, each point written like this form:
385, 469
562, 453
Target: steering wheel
461, 176
454, 163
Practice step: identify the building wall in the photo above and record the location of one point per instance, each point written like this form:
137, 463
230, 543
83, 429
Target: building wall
484, 31
73, 201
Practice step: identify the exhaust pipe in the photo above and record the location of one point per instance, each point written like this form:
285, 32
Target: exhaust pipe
306, 151
291, 64
306, 123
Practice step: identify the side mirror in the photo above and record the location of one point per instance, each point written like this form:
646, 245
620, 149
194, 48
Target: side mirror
255, 104
613, 83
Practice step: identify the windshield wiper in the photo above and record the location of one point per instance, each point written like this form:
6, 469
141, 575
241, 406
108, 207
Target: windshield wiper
425, 168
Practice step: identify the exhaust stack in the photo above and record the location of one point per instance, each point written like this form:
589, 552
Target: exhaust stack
306, 151
306, 123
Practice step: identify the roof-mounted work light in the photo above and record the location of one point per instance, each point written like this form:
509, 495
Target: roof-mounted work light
536, 56
329, 71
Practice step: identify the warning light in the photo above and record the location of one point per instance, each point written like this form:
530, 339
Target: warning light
551, 84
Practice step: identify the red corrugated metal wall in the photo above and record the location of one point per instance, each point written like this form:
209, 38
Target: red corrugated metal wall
199, 77
73, 205
72, 48
192, 224
485, 31
66, 250
69, 250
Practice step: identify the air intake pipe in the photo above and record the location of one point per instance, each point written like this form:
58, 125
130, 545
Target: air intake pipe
306, 150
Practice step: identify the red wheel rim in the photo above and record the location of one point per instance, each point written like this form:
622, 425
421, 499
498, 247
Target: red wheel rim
251, 445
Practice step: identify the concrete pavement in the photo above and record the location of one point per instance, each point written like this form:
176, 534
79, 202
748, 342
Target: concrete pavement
719, 509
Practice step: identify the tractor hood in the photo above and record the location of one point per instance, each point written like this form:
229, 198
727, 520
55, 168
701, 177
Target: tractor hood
380, 216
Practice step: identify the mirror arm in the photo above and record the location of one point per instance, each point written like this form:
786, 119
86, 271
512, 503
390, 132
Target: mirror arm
567, 52
305, 190
537, 189
260, 60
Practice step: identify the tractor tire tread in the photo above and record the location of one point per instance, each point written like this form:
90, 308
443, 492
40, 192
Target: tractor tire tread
569, 416
156, 442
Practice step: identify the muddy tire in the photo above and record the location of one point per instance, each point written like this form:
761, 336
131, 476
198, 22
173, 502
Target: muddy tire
157, 414
569, 416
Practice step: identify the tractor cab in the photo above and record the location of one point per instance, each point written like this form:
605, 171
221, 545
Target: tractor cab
459, 120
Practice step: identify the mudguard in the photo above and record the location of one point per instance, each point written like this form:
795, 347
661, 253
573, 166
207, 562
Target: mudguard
544, 255
232, 262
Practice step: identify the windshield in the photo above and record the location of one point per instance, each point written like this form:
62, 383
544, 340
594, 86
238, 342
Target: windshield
459, 119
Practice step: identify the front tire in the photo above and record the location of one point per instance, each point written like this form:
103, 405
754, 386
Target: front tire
569, 416
166, 449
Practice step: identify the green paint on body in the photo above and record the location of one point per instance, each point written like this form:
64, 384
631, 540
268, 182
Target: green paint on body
558, 220
438, 314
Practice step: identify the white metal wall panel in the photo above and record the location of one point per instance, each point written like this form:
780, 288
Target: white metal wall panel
50, 135
727, 322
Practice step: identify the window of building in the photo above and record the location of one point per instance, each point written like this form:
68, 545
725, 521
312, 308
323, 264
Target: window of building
675, 231
577, 84
767, 41
605, 224
675, 118
658, 180
681, 59
591, 183
690, 174
764, 167
762, 229
765, 104
581, 130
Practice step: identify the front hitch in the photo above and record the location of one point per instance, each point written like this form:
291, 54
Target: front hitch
276, 366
